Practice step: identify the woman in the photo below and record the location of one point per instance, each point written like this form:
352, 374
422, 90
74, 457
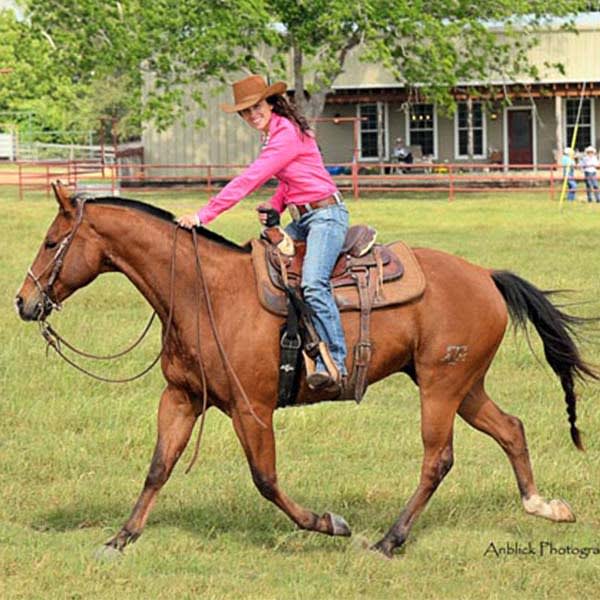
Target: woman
290, 153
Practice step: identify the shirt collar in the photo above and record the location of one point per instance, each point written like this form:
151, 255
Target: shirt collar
275, 118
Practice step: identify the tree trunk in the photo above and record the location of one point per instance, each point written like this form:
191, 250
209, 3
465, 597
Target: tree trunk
299, 92
312, 108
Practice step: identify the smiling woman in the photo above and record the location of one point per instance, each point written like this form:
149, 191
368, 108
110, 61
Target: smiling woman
290, 153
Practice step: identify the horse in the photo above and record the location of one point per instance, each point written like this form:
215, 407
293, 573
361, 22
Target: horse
220, 348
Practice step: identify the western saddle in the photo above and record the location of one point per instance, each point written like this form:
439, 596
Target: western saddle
362, 265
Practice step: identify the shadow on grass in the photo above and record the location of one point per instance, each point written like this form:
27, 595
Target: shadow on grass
259, 523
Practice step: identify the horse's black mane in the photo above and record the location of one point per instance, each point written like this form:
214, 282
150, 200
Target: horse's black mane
165, 215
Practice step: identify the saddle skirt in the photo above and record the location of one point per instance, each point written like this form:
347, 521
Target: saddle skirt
393, 272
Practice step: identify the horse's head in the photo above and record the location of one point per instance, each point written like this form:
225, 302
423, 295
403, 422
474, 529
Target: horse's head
69, 258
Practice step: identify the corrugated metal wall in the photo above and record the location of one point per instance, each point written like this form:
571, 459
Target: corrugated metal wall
224, 139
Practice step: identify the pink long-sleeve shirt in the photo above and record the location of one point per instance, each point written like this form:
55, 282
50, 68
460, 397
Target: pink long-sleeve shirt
293, 158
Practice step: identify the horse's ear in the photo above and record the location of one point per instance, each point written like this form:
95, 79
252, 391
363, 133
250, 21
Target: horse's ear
63, 198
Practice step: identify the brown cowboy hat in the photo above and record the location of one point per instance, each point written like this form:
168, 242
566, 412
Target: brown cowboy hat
250, 90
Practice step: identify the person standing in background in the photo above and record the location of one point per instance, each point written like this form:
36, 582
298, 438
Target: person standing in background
589, 165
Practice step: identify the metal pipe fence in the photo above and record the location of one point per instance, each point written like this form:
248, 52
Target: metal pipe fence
356, 178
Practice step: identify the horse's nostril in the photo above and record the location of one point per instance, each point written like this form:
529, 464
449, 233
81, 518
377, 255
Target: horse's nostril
19, 306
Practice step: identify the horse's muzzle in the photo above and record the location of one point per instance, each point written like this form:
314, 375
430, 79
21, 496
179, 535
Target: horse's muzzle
35, 309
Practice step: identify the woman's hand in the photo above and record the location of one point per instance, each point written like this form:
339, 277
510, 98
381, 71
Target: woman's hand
263, 210
267, 215
189, 221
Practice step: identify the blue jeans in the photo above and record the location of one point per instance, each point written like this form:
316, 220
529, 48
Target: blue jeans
591, 183
324, 231
571, 184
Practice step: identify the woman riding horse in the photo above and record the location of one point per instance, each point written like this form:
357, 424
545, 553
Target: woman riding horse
290, 153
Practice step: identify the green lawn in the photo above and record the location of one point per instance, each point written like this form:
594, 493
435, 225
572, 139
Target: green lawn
74, 452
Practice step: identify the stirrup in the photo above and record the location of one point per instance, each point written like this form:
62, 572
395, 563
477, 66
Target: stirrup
310, 362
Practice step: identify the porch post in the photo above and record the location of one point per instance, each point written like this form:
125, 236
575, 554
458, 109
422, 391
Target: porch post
470, 137
380, 140
559, 128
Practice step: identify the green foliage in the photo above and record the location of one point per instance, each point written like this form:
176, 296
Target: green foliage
432, 46
44, 92
135, 60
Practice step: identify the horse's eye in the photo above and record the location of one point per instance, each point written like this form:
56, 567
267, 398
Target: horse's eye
50, 244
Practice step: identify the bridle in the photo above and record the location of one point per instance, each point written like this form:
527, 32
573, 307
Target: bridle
47, 302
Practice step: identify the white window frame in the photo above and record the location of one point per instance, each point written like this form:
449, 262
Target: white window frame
384, 136
592, 120
435, 128
457, 154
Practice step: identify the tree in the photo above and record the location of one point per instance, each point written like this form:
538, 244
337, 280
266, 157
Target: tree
156, 49
37, 95
432, 46
172, 45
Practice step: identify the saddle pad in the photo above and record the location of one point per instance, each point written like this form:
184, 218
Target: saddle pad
405, 289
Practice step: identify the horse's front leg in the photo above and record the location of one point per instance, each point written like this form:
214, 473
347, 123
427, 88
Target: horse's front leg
258, 441
176, 418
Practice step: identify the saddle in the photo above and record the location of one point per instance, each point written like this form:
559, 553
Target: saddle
366, 276
359, 254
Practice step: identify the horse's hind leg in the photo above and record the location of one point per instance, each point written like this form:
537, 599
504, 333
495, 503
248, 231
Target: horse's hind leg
176, 418
438, 410
483, 414
258, 441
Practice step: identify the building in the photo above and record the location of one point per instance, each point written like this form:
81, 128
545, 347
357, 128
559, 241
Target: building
538, 120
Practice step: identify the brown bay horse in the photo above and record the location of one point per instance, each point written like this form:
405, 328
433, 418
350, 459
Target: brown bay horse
444, 347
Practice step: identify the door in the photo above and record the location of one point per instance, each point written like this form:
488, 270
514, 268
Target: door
520, 137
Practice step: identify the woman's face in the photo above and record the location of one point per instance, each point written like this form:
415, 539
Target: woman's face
258, 116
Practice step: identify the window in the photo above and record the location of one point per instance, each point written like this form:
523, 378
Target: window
462, 130
584, 131
372, 130
421, 128
368, 130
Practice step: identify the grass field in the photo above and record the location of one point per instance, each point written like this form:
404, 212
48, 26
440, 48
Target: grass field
74, 452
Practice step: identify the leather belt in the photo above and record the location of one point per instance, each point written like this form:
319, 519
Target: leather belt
299, 210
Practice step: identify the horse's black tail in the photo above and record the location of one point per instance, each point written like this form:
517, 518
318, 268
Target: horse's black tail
556, 329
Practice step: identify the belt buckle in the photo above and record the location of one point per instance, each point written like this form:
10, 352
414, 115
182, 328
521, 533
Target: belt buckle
294, 212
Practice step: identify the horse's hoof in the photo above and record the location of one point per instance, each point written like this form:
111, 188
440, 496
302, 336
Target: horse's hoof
555, 510
561, 511
382, 549
107, 554
338, 525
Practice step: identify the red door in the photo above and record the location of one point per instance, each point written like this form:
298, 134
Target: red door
520, 136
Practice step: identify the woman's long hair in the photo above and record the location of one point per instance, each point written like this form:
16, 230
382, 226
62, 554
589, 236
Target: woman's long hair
283, 107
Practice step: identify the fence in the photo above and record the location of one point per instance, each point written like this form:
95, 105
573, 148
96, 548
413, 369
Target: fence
45, 152
355, 178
